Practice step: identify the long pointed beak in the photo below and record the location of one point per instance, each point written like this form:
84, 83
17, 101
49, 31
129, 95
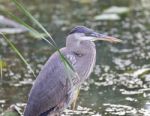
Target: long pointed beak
103, 37
108, 39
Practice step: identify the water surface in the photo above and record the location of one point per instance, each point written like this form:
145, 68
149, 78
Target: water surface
116, 86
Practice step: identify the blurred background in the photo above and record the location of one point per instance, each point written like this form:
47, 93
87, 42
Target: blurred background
120, 82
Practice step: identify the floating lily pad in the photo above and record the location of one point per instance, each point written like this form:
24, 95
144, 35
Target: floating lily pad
11, 30
141, 72
9, 26
85, 1
112, 13
2, 101
107, 17
116, 10
119, 110
13, 110
10, 114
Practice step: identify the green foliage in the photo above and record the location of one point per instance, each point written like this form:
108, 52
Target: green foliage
2, 65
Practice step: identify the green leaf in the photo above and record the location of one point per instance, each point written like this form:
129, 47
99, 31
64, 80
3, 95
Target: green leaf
38, 36
2, 65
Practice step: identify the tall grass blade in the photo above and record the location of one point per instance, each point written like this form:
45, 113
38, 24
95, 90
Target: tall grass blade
29, 28
18, 53
1, 68
22, 9
66, 62
32, 30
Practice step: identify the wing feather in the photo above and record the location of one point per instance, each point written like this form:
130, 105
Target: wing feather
49, 89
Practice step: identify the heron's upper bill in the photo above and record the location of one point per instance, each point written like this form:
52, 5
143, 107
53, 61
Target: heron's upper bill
101, 38
109, 39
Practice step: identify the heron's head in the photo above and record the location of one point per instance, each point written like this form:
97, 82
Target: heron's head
84, 37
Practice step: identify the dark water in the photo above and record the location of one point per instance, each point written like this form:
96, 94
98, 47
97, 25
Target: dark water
120, 82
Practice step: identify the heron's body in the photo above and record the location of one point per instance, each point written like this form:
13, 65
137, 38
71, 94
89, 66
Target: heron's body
52, 91
49, 90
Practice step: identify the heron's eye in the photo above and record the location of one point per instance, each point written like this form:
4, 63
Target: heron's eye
78, 54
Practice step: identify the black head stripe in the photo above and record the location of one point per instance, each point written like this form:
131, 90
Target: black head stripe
80, 29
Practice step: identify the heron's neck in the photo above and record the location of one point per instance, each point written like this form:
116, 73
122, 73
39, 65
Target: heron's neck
84, 61
82, 50
87, 65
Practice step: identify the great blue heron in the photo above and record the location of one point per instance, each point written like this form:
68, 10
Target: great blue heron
52, 91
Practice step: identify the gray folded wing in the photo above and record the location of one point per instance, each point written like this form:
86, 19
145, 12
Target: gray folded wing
50, 88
